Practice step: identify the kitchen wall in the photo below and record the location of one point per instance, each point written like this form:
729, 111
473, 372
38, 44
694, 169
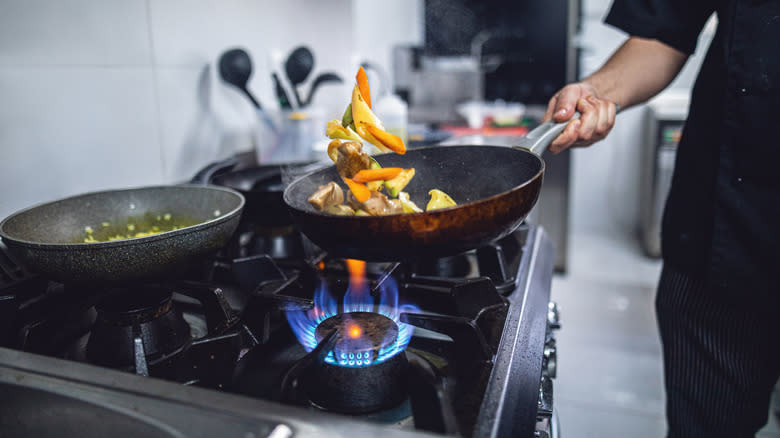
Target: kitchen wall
97, 95
381, 25
117, 93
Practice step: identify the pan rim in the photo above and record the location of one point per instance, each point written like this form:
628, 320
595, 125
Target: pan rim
125, 242
428, 213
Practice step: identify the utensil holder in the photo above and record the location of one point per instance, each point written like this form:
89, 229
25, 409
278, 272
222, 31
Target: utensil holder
294, 137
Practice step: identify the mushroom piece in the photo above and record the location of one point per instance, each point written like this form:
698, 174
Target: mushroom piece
341, 210
351, 159
377, 205
327, 196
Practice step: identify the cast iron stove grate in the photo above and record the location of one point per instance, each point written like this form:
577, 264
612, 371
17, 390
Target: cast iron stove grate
442, 375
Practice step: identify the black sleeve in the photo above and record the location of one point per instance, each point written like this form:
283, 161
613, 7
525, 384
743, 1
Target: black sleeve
673, 22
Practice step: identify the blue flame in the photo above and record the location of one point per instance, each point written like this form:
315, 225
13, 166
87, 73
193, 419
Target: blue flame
357, 299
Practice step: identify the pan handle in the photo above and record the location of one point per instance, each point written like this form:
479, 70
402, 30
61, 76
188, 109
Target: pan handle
207, 174
540, 137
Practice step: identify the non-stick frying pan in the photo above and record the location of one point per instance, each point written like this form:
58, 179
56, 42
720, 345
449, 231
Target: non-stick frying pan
49, 238
495, 188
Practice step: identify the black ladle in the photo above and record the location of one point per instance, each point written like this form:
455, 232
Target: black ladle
235, 68
319, 80
298, 66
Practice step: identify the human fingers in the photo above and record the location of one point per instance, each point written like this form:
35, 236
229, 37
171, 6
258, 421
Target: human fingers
566, 102
567, 137
589, 115
606, 120
602, 126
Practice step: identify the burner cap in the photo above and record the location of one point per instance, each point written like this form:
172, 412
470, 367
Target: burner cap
361, 338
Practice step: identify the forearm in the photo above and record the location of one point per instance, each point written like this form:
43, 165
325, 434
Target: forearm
637, 71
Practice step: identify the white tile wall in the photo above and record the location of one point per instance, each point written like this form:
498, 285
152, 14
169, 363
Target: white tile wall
125, 92
76, 32
403, 24
203, 117
66, 130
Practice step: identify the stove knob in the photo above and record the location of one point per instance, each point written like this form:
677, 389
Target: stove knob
553, 316
544, 405
550, 360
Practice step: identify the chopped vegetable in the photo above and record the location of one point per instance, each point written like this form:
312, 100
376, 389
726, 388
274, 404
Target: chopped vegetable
407, 204
362, 81
439, 200
360, 191
363, 117
367, 175
346, 119
333, 150
134, 227
388, 140
395, 185
379, 205
335, 129
374, 186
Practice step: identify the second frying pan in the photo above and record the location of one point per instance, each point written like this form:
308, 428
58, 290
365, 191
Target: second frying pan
49, 238
262, 186
495, 188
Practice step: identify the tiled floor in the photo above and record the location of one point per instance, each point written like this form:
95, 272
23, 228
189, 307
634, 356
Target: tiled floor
610, 374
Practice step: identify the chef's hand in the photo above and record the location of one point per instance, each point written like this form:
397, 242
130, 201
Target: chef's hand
597, 116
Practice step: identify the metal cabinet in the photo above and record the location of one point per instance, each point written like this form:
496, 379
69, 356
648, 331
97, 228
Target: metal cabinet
664, 122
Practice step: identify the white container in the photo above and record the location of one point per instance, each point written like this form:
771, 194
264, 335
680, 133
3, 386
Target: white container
291, 136
394, 114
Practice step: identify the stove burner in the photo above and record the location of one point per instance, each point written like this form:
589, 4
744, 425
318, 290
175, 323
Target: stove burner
133, 319
362, 335
357, 390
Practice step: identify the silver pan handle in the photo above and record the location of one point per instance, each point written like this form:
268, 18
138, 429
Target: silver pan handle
540, 137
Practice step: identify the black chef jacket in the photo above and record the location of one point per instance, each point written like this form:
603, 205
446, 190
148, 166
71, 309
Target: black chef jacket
722, 217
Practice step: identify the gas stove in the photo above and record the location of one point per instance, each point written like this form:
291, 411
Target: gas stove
272, 337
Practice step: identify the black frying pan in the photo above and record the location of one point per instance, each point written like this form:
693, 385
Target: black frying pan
49, 238
262, 187
495, 188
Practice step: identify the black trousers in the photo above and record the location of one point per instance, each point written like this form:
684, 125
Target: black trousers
721, 357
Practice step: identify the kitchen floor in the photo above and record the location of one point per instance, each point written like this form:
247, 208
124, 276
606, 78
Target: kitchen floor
610, 371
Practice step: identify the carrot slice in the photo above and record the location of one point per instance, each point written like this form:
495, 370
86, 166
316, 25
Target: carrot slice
390, 141
362, 81
368, 175
360, 191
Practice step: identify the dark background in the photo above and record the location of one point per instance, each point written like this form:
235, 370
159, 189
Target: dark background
528, 39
